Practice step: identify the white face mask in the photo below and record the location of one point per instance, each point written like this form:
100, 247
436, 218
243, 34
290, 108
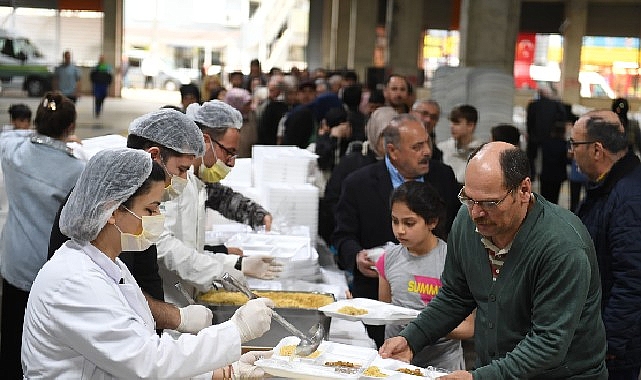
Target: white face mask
152, 228
174, 189
176, 186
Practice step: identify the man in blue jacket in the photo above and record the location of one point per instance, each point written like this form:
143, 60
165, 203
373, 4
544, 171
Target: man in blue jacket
612, 213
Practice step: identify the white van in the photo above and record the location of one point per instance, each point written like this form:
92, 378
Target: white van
21, 61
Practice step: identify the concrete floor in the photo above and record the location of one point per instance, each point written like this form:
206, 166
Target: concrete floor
117, 112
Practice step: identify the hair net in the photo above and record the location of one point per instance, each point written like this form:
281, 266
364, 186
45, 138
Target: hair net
377, 122
108, 180
215, 114
238, 98
171, 129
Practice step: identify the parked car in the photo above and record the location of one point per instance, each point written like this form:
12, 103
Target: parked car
149, 72
23, 64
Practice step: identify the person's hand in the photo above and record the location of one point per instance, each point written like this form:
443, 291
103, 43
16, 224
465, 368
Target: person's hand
245, 368
234, 251
261, 267
194, 318
457, 375
267, 222
253, 319
396, 348
365, 265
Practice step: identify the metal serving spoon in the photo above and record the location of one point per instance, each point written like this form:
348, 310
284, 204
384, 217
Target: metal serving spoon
307, 344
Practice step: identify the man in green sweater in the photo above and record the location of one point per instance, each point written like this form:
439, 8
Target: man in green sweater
529, 267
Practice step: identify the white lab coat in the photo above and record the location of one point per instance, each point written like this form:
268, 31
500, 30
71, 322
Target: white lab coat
181, 255
81, 323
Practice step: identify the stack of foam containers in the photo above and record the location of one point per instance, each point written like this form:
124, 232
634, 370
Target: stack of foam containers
283, 175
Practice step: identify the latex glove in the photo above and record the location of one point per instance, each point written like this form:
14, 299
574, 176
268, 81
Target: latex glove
253, 319
261, 267
194, 318
245, 368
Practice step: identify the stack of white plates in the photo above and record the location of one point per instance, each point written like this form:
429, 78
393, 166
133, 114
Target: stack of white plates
299, 259
282, 164
292, 205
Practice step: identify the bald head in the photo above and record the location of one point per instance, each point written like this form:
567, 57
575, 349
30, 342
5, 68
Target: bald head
607, 116
498, 161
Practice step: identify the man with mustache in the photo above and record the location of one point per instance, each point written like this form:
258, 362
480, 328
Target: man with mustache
363, 215
529, 268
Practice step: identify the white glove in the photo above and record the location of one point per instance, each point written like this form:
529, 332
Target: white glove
253, 319
194, 318
261, 267
245, 368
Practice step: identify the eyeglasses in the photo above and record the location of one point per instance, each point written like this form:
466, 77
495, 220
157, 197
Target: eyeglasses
231, 155
433, 116
485, 205
572, 144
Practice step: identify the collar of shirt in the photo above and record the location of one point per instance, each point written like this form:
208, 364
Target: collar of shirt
498, 252
397, 178
111, 268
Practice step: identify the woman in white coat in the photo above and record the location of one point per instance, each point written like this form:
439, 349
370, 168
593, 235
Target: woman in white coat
87, 318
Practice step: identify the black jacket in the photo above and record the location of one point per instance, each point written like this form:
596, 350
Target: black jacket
363, 215
612, 215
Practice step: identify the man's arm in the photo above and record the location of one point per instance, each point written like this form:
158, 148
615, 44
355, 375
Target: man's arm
235, 206
166, 315
345, 237
622, 311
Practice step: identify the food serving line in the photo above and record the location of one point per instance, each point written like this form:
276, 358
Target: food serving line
312, 292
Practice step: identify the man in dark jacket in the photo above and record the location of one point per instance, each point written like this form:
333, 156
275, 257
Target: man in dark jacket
363, 216
612, 213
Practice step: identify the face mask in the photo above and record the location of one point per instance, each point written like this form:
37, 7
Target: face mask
152, 228
174, 189
176, 186
215, 173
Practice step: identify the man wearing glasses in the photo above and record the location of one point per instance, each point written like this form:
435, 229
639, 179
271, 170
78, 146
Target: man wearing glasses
428, 112
612, 213
528, 266
181, 256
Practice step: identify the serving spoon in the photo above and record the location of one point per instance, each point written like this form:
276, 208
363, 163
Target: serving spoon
307, 345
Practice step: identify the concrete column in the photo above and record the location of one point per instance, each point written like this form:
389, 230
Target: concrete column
576, 12
488, 33
405, 37
357, 29
112, 26
316, 48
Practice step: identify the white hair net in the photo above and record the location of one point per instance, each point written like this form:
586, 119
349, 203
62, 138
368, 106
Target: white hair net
108, 180
215, 114
171, 129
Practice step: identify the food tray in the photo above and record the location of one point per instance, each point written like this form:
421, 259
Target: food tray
378, 313
303, 319
293, 367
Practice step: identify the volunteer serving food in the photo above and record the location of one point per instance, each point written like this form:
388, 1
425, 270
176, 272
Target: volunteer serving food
86, 316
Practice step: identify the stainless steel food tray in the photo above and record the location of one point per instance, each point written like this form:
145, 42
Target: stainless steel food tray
303, 319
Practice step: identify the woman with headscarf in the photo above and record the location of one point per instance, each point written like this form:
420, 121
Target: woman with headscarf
87, 317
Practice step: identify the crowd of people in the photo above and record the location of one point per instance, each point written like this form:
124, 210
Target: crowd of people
91, 250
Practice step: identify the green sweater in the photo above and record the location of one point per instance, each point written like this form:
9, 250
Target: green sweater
541, 317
